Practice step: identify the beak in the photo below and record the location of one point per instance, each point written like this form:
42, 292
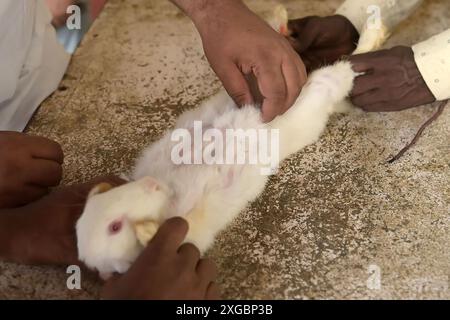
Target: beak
145, 231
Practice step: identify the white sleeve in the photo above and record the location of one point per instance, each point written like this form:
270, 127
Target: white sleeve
433, 60
392, 12
32, 62
16, 29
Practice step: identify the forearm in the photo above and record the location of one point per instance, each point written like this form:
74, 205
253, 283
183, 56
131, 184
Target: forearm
197, 9
189, 7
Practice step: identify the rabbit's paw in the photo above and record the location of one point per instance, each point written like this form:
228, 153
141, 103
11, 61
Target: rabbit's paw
337, 79
145, 231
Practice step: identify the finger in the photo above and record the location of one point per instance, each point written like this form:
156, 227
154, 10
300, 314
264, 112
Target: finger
296, 26
44, 173
301, 69
303, 63
190, 254
293, 82
366, 99
207, 271
379, 107
235, 84
304, 33
44, 148
253, 85
304, 41
308, 64
273, 88
295, 44
366, 83
315, 62
362, 63
331, 55
213, 292
170, 235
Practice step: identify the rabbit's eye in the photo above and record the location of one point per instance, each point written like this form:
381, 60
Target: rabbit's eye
115, 227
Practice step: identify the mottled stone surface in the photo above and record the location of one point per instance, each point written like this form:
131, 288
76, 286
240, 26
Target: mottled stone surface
333, 210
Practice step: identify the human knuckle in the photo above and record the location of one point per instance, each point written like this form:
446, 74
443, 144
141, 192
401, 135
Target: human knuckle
238, 95
270, 54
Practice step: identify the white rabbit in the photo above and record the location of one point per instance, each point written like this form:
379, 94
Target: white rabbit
118, 222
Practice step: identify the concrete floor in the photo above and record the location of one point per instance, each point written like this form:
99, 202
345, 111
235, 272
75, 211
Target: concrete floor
334, 210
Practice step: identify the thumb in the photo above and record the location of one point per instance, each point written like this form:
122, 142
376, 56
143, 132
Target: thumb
169, 236
235, 84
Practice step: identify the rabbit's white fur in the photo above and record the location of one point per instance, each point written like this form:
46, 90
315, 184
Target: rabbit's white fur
209, 197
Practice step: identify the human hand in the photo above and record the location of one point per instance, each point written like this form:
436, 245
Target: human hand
392, 81
321, 41
238, 44
29, 166
43, 232
166, 270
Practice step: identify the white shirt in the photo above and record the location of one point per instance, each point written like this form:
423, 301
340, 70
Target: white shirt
32, 62
432, 56
433, 60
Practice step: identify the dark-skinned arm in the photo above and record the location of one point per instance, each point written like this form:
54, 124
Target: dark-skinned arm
238, 44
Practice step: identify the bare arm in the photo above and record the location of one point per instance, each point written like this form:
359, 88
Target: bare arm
189, 7
238, 44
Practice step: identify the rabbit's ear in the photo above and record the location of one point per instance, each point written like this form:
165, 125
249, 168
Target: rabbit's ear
100, 188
